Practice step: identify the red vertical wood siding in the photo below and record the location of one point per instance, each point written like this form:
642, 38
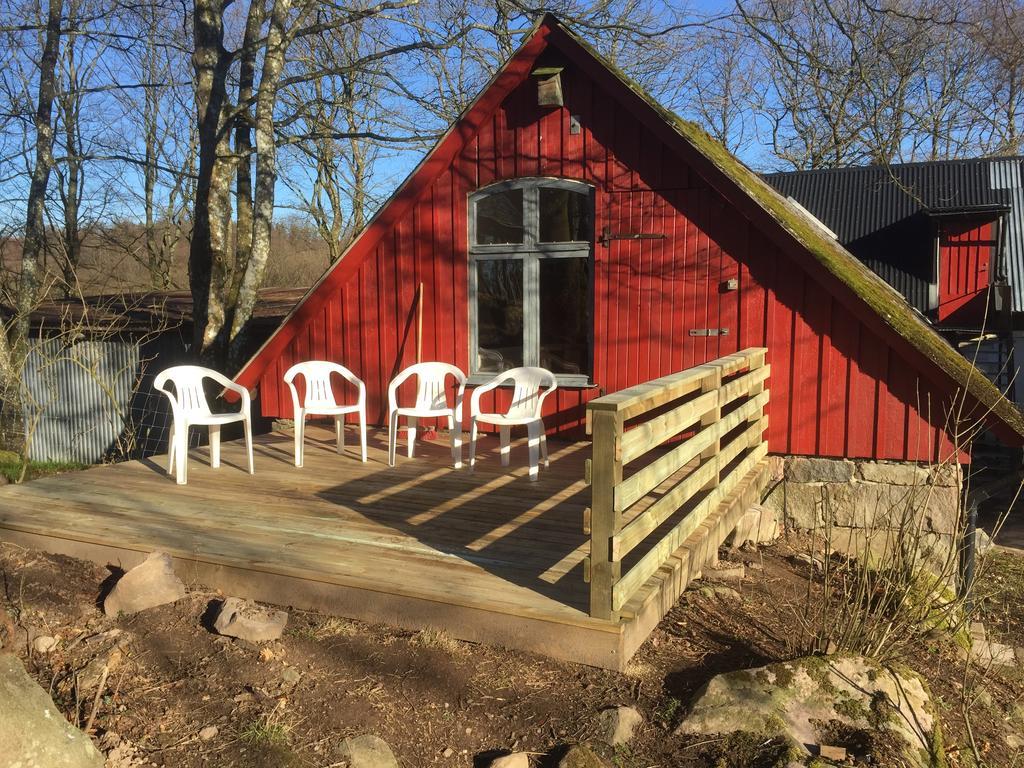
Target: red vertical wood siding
837, 388
965, 255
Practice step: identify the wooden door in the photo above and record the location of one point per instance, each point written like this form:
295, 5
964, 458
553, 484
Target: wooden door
965, 256
662, 295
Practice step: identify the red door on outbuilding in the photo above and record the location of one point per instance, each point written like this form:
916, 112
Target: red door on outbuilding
965, 261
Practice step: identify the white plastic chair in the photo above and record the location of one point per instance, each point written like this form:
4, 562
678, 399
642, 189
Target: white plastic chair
431, 400
320, 401
531, 386
190, 409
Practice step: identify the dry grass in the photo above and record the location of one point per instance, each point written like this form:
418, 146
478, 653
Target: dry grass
334, 626
440, 640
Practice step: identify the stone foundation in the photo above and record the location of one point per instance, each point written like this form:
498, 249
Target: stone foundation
863, 505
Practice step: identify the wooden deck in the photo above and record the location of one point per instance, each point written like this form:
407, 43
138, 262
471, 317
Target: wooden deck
487, 556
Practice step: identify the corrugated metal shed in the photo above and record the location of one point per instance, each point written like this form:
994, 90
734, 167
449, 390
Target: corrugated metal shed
88, 379
93, 400
883, 214
1005, 176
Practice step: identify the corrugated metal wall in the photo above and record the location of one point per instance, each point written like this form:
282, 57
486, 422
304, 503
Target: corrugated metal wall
1006, 175
93, 400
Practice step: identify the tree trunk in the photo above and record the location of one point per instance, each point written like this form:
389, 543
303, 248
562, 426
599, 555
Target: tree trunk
208, 253
70, 103
151, 128
243, 150
35, 227
266, 179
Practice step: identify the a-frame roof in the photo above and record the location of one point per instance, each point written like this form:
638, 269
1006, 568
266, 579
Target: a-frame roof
853, 284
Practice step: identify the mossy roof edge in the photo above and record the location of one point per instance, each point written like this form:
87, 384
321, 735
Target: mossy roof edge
890, 306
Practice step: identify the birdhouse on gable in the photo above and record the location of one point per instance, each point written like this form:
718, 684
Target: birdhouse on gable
549, 86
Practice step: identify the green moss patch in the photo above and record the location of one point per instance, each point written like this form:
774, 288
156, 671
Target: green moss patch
11, 466
750, 749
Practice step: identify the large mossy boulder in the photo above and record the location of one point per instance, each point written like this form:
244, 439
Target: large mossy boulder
847, 701
33, 732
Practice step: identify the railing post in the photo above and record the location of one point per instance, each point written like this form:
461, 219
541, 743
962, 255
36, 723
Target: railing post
605, 522
757, 360
713, 381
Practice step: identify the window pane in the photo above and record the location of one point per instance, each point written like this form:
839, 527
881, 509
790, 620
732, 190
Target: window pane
565, 315
499, 218
564, 216
499, 315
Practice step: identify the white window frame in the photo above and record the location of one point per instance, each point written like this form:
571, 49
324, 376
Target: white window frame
531, 251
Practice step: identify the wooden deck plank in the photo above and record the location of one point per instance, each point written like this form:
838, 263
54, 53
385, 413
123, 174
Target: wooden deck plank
489, 556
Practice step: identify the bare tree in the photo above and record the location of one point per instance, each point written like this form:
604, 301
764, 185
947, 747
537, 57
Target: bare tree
717, 84
34, 240
224, 282
330, 134
1000, 84
860, 81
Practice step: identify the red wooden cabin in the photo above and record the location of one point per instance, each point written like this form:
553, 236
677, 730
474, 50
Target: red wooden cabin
567, 220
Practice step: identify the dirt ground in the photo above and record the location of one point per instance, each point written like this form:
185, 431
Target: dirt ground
435, 700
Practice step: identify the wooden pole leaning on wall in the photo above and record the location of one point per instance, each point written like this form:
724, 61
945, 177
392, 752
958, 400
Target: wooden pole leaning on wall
419, 324
605, 522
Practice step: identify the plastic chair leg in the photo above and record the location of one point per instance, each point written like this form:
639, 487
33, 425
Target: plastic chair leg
181, 455
215, 445
172, 449
455, 432
412, 435
533, 442
300, 436
339, 433
472, 443
505, 440
248, 445
392, 437
362, 432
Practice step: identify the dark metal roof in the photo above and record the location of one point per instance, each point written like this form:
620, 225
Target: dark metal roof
883, 214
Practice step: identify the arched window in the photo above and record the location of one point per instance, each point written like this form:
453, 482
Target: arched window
530, 277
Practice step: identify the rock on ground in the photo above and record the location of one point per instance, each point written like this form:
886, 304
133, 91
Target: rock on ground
147, 585
758, 525
727, 572
514, 760
248, 621
121, 753
789, 699
581, 756
617, 724
982, 542
33, 732
366, 751
44, 644
986, 652
725, 593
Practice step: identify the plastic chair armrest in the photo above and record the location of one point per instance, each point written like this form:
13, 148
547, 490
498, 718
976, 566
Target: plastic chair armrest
396, 382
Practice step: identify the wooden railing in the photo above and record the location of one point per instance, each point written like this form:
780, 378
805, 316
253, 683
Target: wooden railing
723, 404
